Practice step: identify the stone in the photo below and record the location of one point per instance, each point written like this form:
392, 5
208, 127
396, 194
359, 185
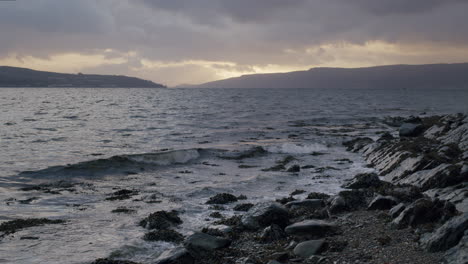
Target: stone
265, 214
246, 260
310, 203
273, 262
201, 242
382, 203
280, 256
396, 210
364, 180
112, 261
316, 228
294, 168
411, 130
459, 253
308, 248
222, 198
350, 200
424, 211
337, 204
175, 256
357, 144
446, 236
161, 220
272, 233
243, 207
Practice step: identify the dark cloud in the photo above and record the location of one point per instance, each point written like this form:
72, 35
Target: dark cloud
247, 33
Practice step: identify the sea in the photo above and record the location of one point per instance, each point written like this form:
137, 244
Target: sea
65, 152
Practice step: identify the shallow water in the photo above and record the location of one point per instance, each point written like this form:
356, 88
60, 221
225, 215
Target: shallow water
177, 148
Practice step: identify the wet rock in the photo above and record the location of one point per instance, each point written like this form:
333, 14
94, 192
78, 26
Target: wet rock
459, 253
217, 230
246, 260
365, 180
294, 168
310, 203
164, 235
446, 236
357, 144
122, 195
161, 220
396, 210
112, 261
232, 221
243, 207
13, 226
265, 214
286, 200
279, 167
316, 228
411, 130
123, 210
424, 211
200, 243
309, 248
273, 262
382, 203
350, 200
386, 137
176, 256
280, 256
297, 192
272, 233
222, 198
316, 195
216, 215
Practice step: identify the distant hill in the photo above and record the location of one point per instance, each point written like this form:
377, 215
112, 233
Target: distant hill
393, 76
21, 77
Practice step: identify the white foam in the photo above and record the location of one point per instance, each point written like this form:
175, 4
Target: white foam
290, 148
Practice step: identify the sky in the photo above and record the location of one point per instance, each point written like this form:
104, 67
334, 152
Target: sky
195, 41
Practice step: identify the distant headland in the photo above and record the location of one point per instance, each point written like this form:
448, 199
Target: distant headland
22, 77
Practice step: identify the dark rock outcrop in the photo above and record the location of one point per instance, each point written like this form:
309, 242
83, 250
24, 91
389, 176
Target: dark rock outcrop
309, 248
222, 198
424, 211
382, 203
447, 236
161, 220
200, 243
265, 214
314, 228
176, 256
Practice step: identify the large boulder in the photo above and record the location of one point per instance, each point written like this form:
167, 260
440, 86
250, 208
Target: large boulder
310, 228
222, 198
447, 235
199, 243
424, 211
309, 203
161, 220
265, 214
396, 210
364, 180
350, 200
411, 129
382, 203
309, 248
458, 254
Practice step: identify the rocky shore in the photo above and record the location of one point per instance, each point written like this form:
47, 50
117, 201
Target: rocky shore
413, 209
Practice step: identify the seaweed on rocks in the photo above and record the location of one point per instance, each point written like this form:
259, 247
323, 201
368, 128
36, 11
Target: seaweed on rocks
13, 226
161, 220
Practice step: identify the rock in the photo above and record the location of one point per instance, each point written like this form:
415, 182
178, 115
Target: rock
357, 144
316, 228
309, 248
350, 200
243, 207
273, 262
175, 256
311, 203
458, 254
164, 235
365, 180
316, 195
217, 230
201, 242
382, 203
272, 233
294, 168
246, 260
424, 211
216, 215
446, 236
411, 130
222, 198
161, 220
13, 226
396, 210
265, 214
280, 256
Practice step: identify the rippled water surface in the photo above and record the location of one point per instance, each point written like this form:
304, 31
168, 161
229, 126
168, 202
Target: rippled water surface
175, 148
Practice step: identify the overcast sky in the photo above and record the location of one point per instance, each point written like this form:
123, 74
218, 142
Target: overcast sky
194, 41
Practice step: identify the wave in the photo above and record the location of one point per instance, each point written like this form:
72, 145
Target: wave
290, 148
120, 165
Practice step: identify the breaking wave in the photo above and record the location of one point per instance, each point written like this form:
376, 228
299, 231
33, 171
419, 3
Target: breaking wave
290, 148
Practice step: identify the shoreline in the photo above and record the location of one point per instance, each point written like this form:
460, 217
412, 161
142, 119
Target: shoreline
414, 211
